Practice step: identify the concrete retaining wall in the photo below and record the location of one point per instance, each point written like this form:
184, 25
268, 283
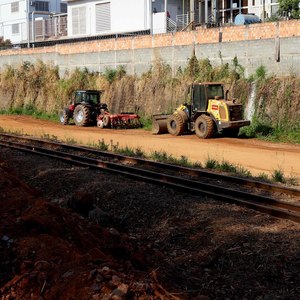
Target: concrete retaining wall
274, 45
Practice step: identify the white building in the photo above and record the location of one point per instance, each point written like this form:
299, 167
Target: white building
93, 17
16, 15
96, 17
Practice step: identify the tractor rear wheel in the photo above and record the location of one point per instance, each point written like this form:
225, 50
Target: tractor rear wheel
81, 115
64, 117
175, 124
204, 127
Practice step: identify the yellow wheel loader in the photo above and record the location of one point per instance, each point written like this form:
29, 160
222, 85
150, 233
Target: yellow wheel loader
208, 112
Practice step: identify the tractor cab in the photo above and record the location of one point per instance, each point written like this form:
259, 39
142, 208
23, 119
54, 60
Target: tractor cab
88, 97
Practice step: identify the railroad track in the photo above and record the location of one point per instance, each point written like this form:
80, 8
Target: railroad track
160, 174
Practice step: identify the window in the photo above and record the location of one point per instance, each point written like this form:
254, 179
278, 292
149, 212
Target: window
15, 6
41, 6
63, 8
79, 20
103, 17
15, 29
215, 91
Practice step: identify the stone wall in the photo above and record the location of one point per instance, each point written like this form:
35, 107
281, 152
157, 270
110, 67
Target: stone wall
276, 45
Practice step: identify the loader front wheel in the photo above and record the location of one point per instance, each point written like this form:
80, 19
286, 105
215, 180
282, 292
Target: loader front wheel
81, 115
175, 124
204, 127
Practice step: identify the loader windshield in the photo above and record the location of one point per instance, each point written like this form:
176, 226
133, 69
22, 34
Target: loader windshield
215, 90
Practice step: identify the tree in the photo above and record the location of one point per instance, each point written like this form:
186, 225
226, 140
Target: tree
289, 9
4, 43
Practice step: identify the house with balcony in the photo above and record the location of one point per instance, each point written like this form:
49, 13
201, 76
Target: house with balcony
28, 20
101, 17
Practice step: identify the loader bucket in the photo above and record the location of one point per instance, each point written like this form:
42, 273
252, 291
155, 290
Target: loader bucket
159, 124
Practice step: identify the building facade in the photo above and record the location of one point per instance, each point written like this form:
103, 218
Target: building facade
34, 20
16, 17
96, 17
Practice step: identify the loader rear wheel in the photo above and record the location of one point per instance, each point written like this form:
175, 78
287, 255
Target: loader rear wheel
64, 117
175, 124
204, 127
81, 115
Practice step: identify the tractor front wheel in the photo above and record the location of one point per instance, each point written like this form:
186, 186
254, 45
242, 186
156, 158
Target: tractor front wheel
204, 127
175, 124
81, 115
64, 117
106, 121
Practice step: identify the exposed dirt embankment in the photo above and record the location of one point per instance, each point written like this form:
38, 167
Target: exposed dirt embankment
252, 154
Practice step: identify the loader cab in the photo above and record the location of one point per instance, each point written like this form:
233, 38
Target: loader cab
201, 93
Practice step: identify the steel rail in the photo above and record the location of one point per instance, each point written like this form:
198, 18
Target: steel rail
264, 204
246, 182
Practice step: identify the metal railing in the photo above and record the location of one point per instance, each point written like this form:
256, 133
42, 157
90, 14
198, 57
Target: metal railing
171, 25
182, 21
53, 27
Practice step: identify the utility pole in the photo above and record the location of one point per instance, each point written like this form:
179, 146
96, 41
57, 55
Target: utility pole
192, 11
151, 17
28, 21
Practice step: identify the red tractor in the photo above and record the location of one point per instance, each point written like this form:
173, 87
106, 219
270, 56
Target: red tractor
87, 109
84, 108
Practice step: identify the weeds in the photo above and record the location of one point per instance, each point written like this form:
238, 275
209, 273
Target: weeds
227, 167
47, 136
102, 145
71, 141
211, 164
29, 110
278, 176
164, 157
146, 123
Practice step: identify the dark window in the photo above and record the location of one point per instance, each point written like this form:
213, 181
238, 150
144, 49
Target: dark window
63, 8
199, 98
214, 91
78, 97
87, 97
41, 6
92, 98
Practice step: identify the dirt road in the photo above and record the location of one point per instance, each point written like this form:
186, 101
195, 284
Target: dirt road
256, 156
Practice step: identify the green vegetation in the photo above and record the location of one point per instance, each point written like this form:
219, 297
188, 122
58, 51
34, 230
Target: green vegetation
102, 145
29, 110
227, 167
146, 122
4, 43
289, 8
51, 137
164, 157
